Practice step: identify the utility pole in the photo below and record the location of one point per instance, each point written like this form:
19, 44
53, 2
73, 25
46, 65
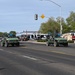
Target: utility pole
60, 12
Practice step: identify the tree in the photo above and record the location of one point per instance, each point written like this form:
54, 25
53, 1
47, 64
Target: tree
65, 27
43, 28
1, 34
5, 34
49, 26
71, 21
52, 24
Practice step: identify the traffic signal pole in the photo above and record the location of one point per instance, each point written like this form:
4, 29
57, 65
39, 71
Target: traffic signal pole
60, 12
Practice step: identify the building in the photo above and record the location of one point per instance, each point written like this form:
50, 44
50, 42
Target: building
31, 34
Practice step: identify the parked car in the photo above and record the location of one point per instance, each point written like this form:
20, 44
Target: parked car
69, 36
0, 38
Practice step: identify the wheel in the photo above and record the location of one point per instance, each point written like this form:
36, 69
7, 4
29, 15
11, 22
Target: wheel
56, 44
17, 44
47, 44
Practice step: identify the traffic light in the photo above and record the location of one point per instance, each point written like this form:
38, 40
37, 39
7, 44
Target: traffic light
36, 16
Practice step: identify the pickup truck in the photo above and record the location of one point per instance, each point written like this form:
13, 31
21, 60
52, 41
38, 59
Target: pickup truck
57, 41
9, 41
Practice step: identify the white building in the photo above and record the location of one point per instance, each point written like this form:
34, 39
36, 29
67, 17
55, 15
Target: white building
31, 34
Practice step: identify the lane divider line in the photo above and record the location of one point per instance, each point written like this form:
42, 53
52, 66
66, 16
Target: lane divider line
28, 57
58, 52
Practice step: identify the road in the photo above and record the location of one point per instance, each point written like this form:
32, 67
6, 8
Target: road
36, 59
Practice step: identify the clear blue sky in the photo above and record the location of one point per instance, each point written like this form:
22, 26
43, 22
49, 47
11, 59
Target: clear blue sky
18, 15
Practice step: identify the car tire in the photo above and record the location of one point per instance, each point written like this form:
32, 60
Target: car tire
18, 44
47, 44
56, 44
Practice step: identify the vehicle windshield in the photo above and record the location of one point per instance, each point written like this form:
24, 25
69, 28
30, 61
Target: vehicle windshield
11, 36
57, 35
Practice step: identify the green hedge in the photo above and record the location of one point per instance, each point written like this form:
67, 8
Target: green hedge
70, 41
41, 40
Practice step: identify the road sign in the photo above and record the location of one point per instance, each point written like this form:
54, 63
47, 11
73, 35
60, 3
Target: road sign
42, 16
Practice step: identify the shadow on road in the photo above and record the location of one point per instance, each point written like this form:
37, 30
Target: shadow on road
2, 68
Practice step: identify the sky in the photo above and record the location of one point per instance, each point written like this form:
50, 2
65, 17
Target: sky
18, 15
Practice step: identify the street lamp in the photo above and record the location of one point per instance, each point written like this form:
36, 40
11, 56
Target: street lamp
60, 13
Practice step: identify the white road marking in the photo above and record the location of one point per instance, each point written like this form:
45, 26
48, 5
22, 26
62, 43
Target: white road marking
28, 57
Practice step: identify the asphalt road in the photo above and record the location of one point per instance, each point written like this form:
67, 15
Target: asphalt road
36, 59
70, 50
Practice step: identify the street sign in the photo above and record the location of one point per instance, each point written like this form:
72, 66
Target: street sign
42, 16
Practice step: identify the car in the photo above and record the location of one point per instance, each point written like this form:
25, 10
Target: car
7, 41
57, 41
44, 38
0, 38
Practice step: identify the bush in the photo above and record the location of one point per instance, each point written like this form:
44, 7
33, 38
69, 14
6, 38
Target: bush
71, 41
41, 40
